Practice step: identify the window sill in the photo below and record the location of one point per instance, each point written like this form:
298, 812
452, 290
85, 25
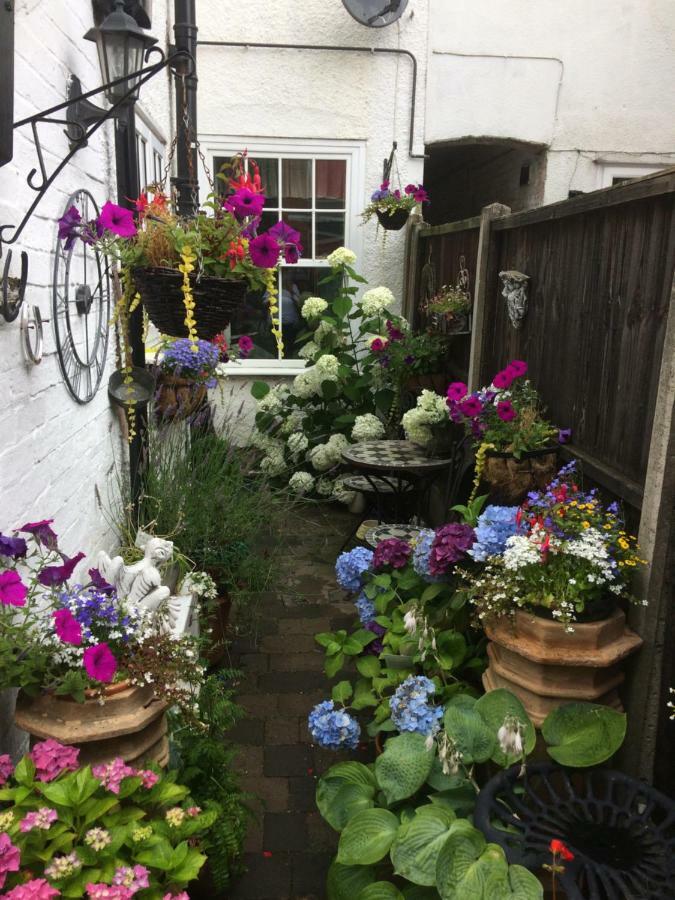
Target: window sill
262, 371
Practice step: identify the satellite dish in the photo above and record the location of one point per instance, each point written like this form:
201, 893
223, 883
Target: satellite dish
375, 13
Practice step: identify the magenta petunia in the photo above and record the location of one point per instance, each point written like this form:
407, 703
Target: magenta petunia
505, 411
42, 532
67, 627
264, 251
503, 380
53, 576
100, 663
99, 582
471, 407
518, 367
284, 233
10, 857
35, 889
456, 390
13, 591
245, 345
118, 220
6, 768
51, 758
244, 203
292, 253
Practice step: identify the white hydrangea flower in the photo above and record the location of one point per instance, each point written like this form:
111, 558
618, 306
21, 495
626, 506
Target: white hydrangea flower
336, 444
273, 464
309, 350
434, 406
265, 442
301, 482
297, 443
416, 427
367, 428
376, 300
221, 370
313, 308
324, 330
327, 367
324, 486
273, 401
292, 423
341, 493
341, 257
320, 458
305, 384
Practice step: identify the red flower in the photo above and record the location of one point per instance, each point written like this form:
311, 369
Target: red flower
378, 345
558, 847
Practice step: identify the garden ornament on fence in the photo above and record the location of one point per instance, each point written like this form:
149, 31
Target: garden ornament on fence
515, 292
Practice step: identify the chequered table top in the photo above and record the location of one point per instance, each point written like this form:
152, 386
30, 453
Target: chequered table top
392, 455
406, 533
376, 484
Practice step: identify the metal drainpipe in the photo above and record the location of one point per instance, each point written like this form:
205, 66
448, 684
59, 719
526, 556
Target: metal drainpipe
345, 49
186, 180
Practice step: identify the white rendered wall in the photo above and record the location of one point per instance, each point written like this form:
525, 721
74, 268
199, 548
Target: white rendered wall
590, 80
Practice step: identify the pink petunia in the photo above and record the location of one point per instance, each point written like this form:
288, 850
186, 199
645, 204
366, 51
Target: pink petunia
6, 768
245, 345
51, 758
100, 663
456, 390
13, 591
118, 220
518, 367
264, 251
503, 380
10, 857
37, 889
505, 411
67, 627
471, 407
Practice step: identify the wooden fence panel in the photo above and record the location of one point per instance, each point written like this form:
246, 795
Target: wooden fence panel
440, 254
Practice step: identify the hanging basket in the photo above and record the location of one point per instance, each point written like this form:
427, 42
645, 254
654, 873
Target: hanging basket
393, 221
216, 300
178, 398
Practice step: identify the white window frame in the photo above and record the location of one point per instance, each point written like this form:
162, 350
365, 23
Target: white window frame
149, 135
608, 171
354, 152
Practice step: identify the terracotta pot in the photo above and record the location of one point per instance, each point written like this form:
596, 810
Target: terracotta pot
509, 480
216, 622
178, 398
131, 723
546, 666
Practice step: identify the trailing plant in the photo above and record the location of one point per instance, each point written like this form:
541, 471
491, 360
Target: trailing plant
386, 201
107, 831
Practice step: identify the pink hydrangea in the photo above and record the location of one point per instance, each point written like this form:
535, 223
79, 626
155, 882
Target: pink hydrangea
449, 546
10, 857
6, 768
148, 778
37, 889
111, 774
52, 758
108, 892
391, 552
193, 810
135, 878
43, 818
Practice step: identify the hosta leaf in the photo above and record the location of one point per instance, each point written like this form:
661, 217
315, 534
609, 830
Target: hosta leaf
418, 843
346, 882
338, 801
380, 890
493, 708
583, 734
474, 739
440, 782
460, 851
367, 837
404, 766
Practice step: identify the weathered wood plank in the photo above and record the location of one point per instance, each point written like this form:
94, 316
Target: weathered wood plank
450, 227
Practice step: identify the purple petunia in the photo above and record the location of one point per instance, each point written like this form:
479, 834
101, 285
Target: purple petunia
42, 533
54, 576
69, 227
245, 203
12, 547
264, 251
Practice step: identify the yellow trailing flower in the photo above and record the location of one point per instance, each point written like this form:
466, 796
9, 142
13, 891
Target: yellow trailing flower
127, 303
273, 302
188, 258
480, 465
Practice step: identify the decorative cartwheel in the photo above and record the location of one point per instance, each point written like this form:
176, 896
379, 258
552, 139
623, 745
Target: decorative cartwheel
81, 307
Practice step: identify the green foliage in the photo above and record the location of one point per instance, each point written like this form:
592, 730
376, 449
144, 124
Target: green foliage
403, 767
367, 837
494, 707
583, 734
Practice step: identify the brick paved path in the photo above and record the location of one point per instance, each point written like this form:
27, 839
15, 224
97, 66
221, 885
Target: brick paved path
288, 850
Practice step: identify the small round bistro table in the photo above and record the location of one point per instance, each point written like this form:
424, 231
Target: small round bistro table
398, 465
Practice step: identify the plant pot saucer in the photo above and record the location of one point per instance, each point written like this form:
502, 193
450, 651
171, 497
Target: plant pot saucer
140, 390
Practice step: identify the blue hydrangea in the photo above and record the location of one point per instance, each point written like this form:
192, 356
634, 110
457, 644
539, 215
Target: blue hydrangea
496, 525
365, 608
421, 553
350, 567
333, 728
410, 707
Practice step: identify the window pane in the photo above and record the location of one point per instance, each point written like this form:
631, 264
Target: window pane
253, 319
269, 175
269, 217
331, 177
302, 222
296, 179
221, 176
330, 233
297, 284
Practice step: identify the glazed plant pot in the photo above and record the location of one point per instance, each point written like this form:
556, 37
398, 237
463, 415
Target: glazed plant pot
131, 724
178, 398
509, 480
394, 221
546, 666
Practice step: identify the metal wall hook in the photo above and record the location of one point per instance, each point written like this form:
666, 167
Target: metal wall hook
32, 334
13, 289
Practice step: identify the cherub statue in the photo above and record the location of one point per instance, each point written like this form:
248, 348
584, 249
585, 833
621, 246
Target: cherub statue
515, 293
141, 583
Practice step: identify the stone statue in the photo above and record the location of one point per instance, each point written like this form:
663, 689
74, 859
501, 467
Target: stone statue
141, 582
515, 291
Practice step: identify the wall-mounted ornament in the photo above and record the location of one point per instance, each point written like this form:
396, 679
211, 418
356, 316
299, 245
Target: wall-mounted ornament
13, 289
81, 307
515, 290
32, 333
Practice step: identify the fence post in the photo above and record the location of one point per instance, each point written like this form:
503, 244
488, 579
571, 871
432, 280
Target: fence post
645, 695
410, 274
488, 213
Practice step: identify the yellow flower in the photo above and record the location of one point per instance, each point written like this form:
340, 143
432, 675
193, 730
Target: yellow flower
623, 543
586, 524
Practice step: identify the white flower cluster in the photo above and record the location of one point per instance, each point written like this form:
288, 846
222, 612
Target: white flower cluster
326, 456
301, 482
324, 486
327, 367
297, 443
375, 301
341, 493
367, 428
341, 257
308, 383
293, 422
313, 308
273, 402
201, 584
417, 423
309, 350
524, 550
274, 463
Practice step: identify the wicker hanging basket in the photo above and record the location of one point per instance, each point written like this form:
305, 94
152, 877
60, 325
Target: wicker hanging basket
216, 300
394, 221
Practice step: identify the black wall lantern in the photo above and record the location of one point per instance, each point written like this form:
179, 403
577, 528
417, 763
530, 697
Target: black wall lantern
121, 46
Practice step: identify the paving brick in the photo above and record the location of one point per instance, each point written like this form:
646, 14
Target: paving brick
311, 661
254, 838
267, 878
248, 731
300, 704
281, 644
249, 761
259, 706
285, 831
291, 682
321, 835
271, 794
305, 611
293, 759
283, 731
302, 793
304, 626
254, 662
309, 875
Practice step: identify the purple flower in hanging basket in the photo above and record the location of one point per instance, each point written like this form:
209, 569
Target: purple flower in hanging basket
251, 228
42, 533
69, 226
564, 434
118, 220
53, 576
264, 251
288, 239
245, 203
12, 547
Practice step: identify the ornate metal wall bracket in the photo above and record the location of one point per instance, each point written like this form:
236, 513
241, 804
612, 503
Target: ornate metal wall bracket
79, 131
515, 292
